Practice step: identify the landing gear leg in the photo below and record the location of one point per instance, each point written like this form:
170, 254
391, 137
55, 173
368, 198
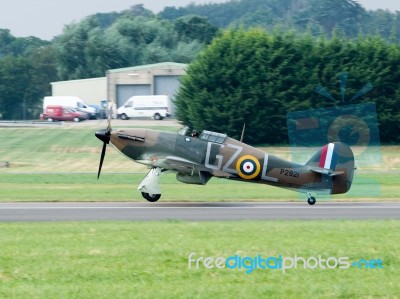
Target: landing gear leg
311, 199
149, 186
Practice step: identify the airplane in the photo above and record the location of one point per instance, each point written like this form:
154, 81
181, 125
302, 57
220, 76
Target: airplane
196, 159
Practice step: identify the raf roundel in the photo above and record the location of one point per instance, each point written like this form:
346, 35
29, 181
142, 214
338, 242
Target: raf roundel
248, 167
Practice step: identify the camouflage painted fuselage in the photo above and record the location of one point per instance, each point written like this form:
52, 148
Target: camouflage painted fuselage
196, 160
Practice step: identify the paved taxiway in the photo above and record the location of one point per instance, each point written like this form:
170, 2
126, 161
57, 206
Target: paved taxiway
195, 211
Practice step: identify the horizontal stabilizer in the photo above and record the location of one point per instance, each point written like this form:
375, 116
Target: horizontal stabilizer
324, 171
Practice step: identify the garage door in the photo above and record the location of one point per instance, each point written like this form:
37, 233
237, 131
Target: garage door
167, 85
124, 92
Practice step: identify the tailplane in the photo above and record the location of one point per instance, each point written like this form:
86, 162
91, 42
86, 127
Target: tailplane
336, 162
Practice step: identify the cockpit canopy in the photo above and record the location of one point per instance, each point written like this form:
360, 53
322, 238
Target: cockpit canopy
212, 136
205, 135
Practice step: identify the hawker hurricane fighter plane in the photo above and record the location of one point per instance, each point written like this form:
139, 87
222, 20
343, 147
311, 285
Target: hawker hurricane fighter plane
196, 159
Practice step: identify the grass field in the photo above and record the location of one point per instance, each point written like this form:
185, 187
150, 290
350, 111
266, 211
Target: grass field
150, 259
66, 150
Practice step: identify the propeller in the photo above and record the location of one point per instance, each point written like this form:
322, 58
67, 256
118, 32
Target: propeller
105, 135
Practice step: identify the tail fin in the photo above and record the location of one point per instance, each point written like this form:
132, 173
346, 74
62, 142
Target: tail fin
335, 160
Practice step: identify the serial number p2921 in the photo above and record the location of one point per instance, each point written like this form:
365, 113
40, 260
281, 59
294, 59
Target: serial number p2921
289, 172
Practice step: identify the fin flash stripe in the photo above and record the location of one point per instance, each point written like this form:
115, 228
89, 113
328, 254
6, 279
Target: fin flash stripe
328, 159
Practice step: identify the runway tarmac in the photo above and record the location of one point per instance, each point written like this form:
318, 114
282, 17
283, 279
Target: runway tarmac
145, 211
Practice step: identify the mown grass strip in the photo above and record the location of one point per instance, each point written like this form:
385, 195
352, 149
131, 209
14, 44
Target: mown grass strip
123, 187
150, 259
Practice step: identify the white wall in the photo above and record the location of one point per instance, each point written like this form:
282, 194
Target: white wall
92, 91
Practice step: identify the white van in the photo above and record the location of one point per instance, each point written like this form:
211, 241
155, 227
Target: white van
70, 101
156, 107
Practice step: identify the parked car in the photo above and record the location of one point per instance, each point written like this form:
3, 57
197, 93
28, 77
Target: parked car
69, 101
100, 111
58, 112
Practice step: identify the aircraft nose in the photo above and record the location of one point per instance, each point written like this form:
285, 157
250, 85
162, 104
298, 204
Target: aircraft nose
103, 135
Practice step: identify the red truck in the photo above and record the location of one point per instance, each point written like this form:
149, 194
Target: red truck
57, 112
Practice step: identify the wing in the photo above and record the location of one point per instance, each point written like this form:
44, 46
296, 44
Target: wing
185, 166
179, 164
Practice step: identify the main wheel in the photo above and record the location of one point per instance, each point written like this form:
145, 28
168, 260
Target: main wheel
151, 197
311, 200
124, 116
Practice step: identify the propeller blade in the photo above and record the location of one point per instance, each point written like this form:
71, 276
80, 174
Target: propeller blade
103, 153
105, 136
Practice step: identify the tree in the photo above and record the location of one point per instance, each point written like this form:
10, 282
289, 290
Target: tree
87, 49
319, 16
14, 94
26, 68
343, 14
70, 48
16, 46
255, 77
195, 28
231, 83
24, 81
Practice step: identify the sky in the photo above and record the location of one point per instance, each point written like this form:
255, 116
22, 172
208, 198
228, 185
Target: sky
47, 18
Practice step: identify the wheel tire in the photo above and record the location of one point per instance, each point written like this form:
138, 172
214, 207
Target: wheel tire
124, 116
76, 119
157, 116
311, 200
50, 119
151, 197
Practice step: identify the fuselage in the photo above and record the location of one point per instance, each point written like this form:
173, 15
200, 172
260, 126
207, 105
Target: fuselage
218, 156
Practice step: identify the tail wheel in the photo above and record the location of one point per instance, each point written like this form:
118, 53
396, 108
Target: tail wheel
311, 200
151, 197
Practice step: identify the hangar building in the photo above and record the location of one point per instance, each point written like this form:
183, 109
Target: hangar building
120, 84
